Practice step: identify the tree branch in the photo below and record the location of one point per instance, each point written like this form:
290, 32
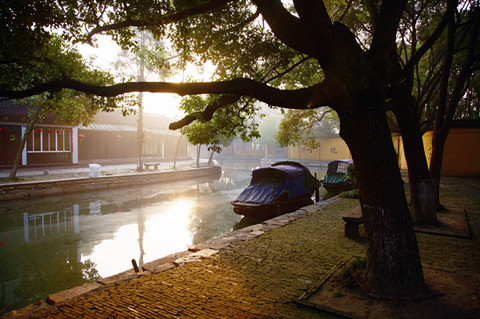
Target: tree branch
317, 25
222, 102
287, 70
159, 20
345, 11
466, 69
284, 25
383, 43
431, 40
312, 97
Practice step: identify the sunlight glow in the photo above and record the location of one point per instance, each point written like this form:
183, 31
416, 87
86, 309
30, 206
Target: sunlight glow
105, 54
152, 236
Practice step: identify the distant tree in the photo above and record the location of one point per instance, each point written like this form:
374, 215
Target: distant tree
303, 127
201, 133
463, 36
70, 106
469, 106
223, 126
146, 59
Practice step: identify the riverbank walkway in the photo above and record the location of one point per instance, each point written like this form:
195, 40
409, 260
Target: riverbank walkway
107, 167
262, 271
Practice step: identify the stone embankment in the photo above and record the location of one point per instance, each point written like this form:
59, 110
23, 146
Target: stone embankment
12, 191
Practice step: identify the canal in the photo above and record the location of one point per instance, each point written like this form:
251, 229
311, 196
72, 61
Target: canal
56, 243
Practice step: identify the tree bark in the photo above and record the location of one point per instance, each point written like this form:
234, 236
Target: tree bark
140, 134
393, 268
176, 151
199, 148
29, 129
210, 159
422, 200
438, 144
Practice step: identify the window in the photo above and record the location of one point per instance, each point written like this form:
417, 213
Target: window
50, 139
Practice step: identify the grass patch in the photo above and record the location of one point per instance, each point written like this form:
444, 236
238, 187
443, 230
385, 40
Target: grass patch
350, 194
352, 272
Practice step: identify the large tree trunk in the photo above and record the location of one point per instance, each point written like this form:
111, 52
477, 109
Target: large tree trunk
438, 143
393, 268
422, 200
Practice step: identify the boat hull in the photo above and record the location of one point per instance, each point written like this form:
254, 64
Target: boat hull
338, 187
270, 209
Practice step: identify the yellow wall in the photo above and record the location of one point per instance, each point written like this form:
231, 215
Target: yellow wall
398, 145
331, 148
461, 156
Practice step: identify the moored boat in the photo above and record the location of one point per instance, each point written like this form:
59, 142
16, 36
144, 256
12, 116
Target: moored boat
279, 189
337, 178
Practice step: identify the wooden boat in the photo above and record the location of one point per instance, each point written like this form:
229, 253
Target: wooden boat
336, 180
279, 189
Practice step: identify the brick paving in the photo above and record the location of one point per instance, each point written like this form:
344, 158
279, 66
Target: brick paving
260, 271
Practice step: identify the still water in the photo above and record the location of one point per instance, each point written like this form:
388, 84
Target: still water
52, 244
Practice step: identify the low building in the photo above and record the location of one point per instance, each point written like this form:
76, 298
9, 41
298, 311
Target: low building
51, 142
110, 136
114, 136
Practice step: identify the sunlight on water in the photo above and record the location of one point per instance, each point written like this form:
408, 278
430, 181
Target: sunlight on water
153, 234
168, 232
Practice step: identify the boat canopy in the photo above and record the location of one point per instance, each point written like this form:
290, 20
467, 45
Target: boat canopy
338, 166
270, 182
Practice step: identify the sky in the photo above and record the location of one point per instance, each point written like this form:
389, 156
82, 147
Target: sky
105, 54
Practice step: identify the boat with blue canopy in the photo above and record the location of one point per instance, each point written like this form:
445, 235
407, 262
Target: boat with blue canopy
279, 189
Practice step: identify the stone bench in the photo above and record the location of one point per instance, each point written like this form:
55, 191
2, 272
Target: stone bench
352, 221
147, 165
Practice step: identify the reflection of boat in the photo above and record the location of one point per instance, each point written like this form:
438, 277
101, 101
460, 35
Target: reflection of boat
279, 189
336, 179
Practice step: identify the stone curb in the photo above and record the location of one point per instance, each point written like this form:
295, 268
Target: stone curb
13, 191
